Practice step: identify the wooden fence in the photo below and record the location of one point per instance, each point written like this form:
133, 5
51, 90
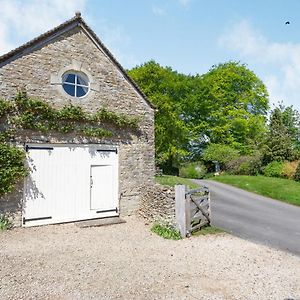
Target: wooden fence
192, 209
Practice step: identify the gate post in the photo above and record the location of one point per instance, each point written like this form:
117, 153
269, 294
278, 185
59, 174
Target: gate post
180, 209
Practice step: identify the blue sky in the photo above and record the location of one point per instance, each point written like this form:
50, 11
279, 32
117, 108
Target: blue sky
188, 35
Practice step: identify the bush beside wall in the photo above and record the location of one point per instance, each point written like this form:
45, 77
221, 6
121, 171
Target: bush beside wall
245, 165
273, 169
289, 169
195, 170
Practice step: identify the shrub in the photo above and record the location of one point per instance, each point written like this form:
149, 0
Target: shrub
4, 223
296, 154
166, 231
221, 153
194, 170
12, 167
245, 165
289, 169
273, 169
297, 173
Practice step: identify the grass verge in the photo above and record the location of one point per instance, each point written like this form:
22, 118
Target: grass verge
166, 232
208, 230
173, 180
277, 188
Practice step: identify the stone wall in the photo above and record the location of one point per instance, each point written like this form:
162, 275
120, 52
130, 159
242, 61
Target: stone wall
39, 72
11, 205
158, 204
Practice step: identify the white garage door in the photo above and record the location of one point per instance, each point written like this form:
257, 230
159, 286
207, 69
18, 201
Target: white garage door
69, 183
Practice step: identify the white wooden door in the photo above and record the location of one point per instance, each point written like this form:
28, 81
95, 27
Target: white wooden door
50, 188
58, 188
102, 189
36, 205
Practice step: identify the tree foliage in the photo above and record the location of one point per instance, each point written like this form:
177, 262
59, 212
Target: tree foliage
165, 88
219, 152
291, 120
229, 106
278, 146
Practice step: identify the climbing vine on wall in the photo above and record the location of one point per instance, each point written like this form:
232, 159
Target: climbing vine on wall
26, 113
11, 167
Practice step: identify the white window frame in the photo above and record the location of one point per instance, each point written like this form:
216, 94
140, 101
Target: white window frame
76, 74
74, 66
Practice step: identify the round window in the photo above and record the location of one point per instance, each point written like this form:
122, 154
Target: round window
75, 84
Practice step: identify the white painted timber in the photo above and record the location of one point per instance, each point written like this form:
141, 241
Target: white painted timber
59, 187
103, 185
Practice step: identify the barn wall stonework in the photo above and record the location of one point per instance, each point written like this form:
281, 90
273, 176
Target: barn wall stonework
37, 72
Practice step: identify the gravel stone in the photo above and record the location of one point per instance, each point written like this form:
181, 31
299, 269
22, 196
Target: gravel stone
128, 261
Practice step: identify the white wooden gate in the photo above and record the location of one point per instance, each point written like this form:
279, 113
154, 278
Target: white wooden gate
69, 183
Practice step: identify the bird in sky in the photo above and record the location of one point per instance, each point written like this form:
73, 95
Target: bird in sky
287, 23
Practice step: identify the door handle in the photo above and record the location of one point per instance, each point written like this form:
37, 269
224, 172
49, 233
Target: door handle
91, 182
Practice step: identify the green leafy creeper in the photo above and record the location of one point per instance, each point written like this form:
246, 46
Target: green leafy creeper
27, 113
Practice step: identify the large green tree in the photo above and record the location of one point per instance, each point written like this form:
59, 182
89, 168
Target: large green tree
279, 145
165, 88
291, 120
228, 105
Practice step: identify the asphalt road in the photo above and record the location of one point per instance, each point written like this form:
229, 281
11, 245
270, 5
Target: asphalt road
255, 217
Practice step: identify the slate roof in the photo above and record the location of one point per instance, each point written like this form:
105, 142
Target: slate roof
75, 21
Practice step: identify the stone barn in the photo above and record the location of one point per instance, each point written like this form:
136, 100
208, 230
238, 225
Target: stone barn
75, 175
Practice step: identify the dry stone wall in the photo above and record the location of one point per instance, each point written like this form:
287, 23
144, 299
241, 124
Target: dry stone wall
158, 204
11, 205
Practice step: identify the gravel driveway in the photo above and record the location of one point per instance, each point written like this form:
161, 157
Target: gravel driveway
127, 261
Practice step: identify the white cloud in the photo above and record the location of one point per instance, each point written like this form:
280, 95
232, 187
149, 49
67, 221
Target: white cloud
5, 44
280, 62
184, 3
158, 11
24, 20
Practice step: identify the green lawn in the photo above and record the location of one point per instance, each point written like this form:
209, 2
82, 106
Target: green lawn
173, 180
281, 189
208, 230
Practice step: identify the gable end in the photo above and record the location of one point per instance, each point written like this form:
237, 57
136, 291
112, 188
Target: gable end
53, 34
